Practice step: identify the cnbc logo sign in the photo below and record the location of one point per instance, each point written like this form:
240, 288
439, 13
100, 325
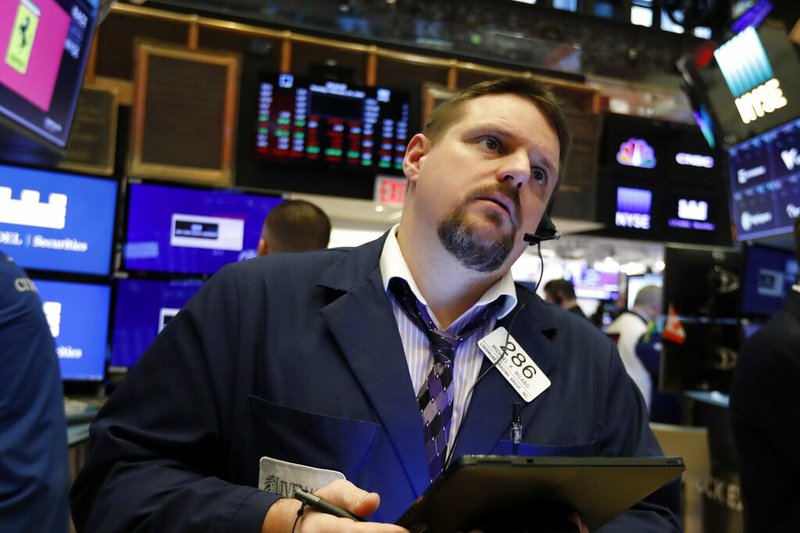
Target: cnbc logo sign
748, 73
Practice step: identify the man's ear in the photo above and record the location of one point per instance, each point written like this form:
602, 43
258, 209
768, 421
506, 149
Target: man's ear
262, 247
417, 149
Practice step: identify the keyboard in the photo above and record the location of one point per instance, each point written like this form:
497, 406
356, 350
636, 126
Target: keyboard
78, 410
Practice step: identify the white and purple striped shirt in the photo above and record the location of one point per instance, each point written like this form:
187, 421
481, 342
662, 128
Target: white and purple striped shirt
469, 357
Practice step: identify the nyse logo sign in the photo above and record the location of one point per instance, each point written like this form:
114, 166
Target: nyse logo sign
633, 208
760, 101
749, 75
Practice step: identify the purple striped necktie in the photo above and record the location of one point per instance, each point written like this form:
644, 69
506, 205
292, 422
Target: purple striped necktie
436, 395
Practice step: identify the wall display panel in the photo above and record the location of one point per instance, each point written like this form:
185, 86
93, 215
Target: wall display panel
694, 216
765, 182
77, 314
56, 221
142, 309
628, 209
690, 160
634, 147
188, 230
769, 274
44, 45
327, 123
748, 84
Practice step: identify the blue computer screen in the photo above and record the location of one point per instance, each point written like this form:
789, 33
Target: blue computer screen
192, 230
768, 277
56, 221
143, 308
78, 317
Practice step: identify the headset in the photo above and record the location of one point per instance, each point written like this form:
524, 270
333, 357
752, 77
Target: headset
546, 231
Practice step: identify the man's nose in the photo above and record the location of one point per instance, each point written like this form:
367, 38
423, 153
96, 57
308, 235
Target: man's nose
516, 168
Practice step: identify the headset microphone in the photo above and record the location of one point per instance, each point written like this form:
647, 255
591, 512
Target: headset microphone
545, 232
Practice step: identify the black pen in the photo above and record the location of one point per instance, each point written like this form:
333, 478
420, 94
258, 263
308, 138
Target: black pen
323, 506
516, 426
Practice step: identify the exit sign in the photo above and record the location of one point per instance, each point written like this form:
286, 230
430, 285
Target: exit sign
390, 190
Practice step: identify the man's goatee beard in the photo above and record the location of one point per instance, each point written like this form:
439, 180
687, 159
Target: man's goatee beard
459, 238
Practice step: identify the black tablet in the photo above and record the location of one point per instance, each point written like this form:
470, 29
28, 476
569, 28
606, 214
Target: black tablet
480, 490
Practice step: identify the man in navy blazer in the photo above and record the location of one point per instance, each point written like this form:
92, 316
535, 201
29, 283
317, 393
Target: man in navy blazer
765, 393
307, 359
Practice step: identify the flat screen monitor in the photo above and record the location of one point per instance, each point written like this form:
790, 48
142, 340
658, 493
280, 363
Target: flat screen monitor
331, 123
596, 284
44, 45
186, 230
769, 274
704, 361
638, 282
56, 221
77, 314
702, 281
748, 84
142, 309
765, 182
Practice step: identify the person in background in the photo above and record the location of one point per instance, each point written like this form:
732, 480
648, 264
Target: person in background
665, 407
34, 467
562, 293
765, 420
628, 327
294, 226
301, 369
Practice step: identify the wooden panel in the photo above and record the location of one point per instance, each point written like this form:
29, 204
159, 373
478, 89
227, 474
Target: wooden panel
184, 114
93, 136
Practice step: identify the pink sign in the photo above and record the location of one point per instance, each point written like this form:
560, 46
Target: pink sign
32, 36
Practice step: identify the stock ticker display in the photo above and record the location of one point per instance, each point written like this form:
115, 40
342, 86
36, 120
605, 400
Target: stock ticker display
331, 123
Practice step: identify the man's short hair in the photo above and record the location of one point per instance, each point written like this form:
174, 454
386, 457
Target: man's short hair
296, 226
559, 290
538, 93
649, 295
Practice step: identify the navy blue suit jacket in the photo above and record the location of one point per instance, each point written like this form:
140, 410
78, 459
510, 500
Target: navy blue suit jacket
298, 357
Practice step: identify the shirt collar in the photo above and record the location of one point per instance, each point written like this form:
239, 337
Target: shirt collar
796, 287
393, 265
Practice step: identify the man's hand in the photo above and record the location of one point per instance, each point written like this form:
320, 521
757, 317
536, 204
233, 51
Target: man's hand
282, 515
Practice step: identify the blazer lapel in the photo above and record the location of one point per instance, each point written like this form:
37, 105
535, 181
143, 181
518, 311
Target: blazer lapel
488, 418
362, 323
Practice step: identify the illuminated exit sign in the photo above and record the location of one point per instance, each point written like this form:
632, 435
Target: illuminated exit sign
390, 191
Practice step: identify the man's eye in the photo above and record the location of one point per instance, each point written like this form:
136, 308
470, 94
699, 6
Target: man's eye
490, 143
539, 175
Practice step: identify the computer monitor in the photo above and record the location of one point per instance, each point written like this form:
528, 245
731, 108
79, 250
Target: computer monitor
765, 182
141, 310
44, 45
769, 274
594, 284
56, 221
702, 281
191, 230
77, 314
